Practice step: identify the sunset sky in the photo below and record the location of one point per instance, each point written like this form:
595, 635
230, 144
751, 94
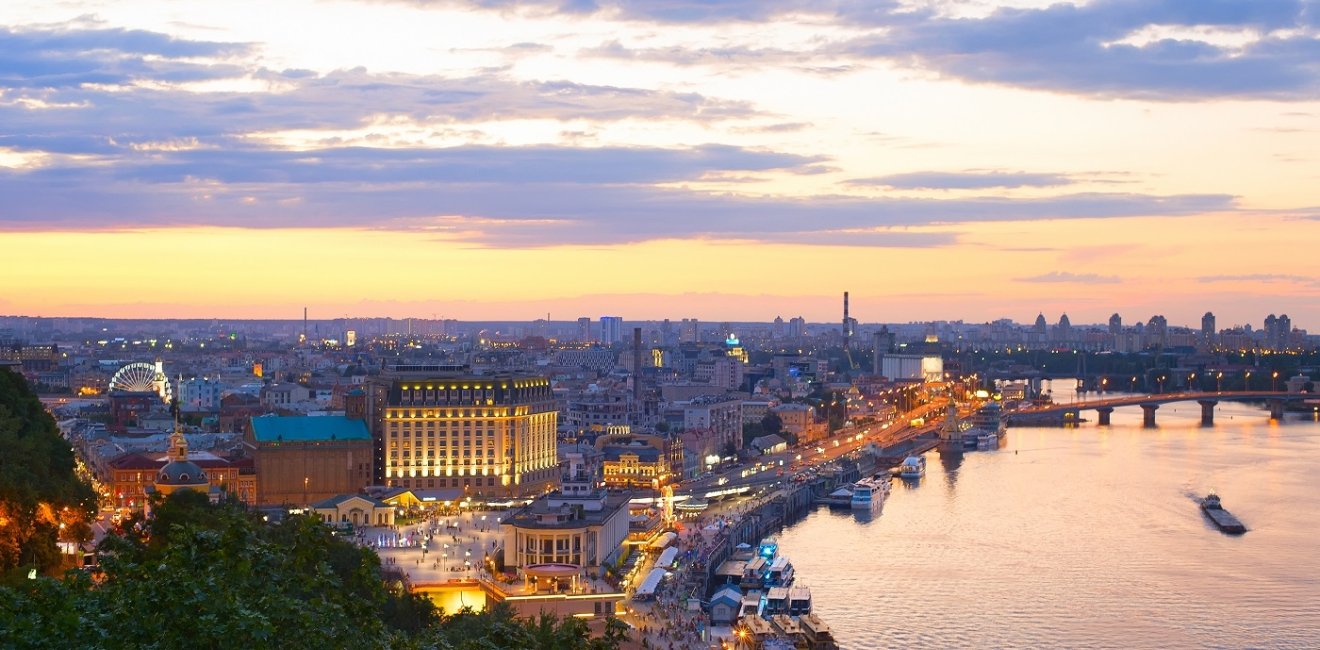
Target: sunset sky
492, 159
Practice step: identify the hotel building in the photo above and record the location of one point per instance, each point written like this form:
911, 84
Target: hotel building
440, 426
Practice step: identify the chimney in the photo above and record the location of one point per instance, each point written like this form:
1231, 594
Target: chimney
637, 366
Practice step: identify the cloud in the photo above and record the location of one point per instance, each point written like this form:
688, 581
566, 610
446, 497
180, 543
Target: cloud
511, 196
1065, 276
969, 180
1168, 50
71, 56
677, 11
1258, 277
1088, 49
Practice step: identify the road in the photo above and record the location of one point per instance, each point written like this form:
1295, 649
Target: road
771, 469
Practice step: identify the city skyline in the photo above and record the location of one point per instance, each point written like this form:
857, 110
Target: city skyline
730, 161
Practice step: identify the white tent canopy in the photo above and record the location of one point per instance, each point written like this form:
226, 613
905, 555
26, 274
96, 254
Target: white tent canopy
663, 541
649, 584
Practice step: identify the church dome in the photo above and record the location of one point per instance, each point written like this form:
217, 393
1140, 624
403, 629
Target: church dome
181, 473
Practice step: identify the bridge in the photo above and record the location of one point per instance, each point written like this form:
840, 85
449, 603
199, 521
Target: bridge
1150, 403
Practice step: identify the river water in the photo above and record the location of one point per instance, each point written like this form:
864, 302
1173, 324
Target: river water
1084, 538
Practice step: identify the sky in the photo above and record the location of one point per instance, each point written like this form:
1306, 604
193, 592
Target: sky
739, 160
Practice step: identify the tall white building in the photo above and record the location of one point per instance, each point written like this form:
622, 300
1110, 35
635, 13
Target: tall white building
611, 329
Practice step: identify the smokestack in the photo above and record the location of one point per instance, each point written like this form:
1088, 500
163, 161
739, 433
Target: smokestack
637, 366
847, 333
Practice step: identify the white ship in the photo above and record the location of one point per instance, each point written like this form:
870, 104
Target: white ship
869, 494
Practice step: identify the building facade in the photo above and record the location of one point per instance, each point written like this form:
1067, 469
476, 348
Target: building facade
634, 461
442, 426
134, 476
578, 525
306, 459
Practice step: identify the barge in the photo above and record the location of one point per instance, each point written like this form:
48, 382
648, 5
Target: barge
1222, 518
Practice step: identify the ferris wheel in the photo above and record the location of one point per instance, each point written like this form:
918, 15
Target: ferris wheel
142, 377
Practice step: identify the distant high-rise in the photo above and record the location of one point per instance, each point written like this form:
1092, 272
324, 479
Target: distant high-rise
1115, 324
1278, 332
584, 329
611, 329
797, 328
1063, 332
1157, 330
1041, 326
847, 324
689, 331
1208, 329
777, 329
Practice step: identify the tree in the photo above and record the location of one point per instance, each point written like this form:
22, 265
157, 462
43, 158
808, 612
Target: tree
37, 481
771, 423
207, 575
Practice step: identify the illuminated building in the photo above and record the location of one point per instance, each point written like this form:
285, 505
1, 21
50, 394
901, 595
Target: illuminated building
577, 527
442, 426
634, 461
135, 477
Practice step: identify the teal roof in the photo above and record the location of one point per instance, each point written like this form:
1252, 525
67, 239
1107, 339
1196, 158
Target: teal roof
270, 428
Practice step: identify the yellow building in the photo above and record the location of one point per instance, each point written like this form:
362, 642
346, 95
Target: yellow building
634, 460
442, 426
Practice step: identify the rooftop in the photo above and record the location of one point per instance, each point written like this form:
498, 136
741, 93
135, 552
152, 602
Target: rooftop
271, 428
541, 513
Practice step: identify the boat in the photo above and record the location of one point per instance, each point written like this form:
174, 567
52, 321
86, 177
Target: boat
818, 635
1214, 509
799, 600
913, 467
869, 494
986, 439
989, 418
780, 573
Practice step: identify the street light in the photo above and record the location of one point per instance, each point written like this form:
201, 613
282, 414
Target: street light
1219, 382
1246, 381
1274, 382
1104, 383
1134, 383
1161, 381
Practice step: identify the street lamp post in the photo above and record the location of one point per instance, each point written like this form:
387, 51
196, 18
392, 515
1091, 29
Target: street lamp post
1246, 381
1134, 383
1274, 382
1219, 382
1161, 381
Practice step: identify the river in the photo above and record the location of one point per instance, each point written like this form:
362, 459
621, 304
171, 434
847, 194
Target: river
1084, 538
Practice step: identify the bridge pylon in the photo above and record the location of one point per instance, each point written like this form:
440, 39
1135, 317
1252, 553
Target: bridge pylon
1104, 412
1207, 412
1148, 414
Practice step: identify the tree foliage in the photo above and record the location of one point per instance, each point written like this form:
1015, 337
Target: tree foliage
200, 575
37, 480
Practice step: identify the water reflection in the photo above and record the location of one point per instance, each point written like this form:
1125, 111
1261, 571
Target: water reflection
1087, 537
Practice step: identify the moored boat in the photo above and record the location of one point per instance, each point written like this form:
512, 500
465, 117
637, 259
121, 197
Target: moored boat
869, 494
913, 467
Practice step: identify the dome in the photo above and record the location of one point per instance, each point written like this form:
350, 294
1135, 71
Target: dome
180, 473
